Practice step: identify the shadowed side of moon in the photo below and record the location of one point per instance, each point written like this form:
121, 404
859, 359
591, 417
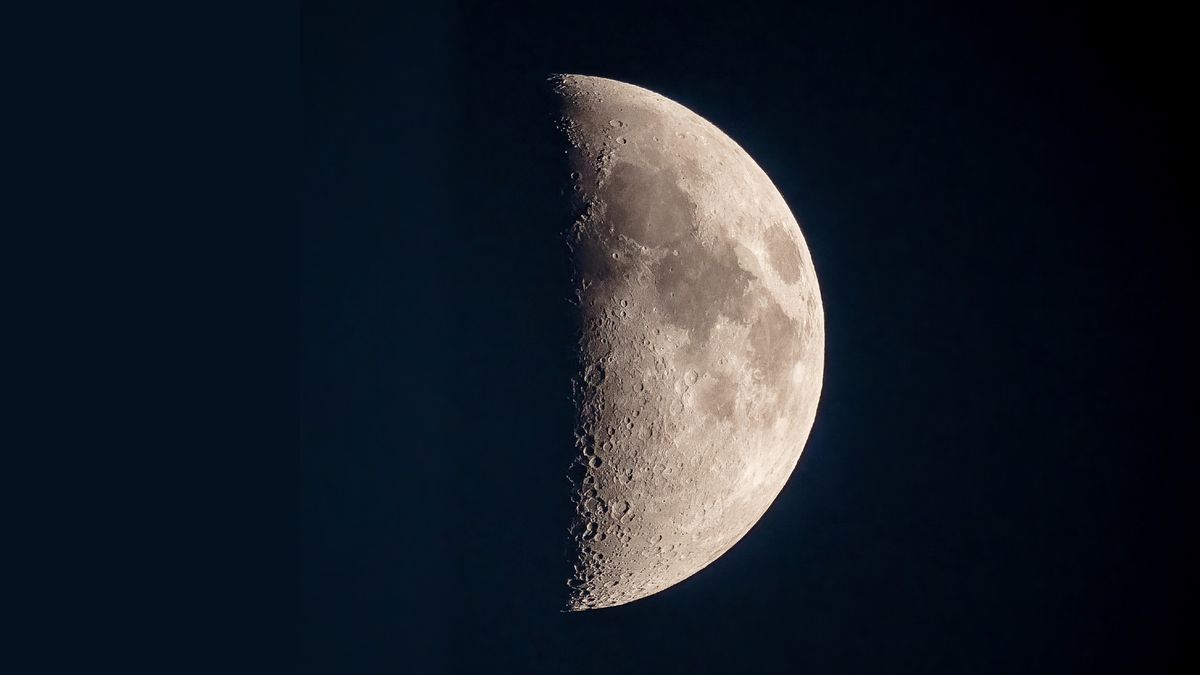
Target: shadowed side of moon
701, 340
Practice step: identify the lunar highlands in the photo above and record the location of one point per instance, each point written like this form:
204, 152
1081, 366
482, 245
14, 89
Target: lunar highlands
700, 336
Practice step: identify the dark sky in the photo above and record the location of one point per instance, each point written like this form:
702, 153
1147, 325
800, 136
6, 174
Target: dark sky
992, 200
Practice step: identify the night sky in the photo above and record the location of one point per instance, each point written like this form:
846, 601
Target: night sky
991, 198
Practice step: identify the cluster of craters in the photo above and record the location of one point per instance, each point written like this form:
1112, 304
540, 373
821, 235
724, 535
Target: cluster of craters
631, 400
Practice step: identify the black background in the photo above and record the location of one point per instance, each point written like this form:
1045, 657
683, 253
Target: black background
991, 197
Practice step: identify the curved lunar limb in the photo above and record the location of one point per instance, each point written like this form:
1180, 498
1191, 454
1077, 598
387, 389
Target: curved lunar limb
701, 340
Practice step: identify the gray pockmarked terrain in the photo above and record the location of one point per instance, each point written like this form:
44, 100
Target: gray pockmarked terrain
701, 340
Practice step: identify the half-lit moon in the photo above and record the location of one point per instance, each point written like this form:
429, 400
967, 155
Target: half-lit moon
701, 340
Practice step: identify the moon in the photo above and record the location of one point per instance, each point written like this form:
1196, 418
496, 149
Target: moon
700, 339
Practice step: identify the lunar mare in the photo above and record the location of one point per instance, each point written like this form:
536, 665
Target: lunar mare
701, 340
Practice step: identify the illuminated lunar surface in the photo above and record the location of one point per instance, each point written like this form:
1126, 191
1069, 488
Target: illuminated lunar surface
701, 340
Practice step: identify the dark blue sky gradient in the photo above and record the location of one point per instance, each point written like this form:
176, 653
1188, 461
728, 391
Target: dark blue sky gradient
991, 198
